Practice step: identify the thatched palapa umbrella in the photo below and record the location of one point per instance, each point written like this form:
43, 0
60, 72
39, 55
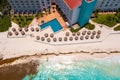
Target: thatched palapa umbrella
65, 38
67, 33
13, 29
76, 38
16, 33
32, 29
92, 37
60, 38
78, 33
37, 29
87, 37
46, 34
48, 40
89, 32
94, 32
54, 39
71, 38
10, 33
19, 29
98, 36
42, 39
51, 35
81, 37
98, 32
38, 37
26, 29
22, 32
84, 32
73, 34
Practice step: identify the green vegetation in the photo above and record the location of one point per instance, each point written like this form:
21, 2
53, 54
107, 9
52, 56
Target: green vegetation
87, 26
117, 28
22, 21
39, 15
90, 26
74, 30
3, 4
108, 19
5, 22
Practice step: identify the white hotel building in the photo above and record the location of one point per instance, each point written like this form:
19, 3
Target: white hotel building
75, 11
29, 5
108, 5
39, 5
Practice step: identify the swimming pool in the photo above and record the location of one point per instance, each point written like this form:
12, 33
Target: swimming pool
54, 24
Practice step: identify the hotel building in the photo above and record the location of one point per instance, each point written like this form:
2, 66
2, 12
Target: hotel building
108, 5
78, 11
30, 6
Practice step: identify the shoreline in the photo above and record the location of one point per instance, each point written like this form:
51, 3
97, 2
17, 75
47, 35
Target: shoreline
18, 71
28, 65
45, 57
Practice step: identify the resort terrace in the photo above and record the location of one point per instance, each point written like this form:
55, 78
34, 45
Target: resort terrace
54, 14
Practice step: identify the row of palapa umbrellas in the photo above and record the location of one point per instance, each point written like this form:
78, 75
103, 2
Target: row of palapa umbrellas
22, 31
75, 36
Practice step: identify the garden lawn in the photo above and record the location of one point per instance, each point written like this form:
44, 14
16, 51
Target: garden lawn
90, 26
117, 28
109, 20
22, 21
4, 23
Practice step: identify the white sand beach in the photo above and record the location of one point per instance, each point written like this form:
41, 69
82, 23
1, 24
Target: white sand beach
15, 47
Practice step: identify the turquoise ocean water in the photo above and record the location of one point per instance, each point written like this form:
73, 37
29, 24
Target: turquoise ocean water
107, 69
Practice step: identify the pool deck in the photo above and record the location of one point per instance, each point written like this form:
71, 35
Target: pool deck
52, 16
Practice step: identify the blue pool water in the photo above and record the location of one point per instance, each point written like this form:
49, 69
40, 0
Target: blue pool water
82, 70
54, 24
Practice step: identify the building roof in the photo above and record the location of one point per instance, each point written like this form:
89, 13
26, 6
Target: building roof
73, 3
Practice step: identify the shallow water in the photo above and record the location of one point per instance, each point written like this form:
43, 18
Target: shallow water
106, 69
